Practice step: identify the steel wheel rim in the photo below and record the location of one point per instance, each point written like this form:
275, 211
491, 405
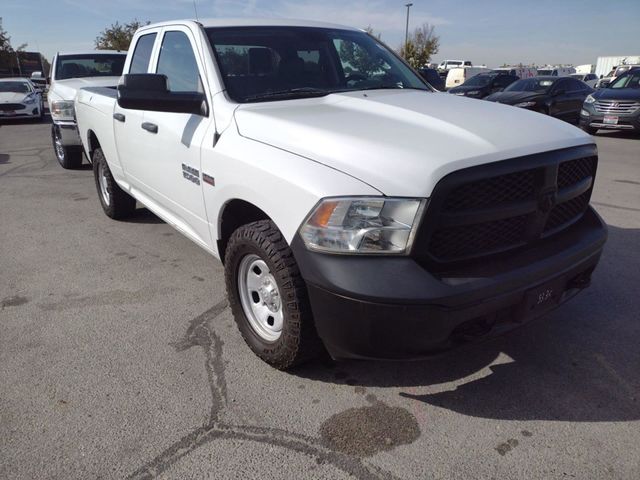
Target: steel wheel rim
260, 298
58, 144
102, 181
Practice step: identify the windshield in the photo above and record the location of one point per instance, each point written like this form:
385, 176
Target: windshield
275, 63
90, 65
538, 85
478, 81
14, 87
629, 80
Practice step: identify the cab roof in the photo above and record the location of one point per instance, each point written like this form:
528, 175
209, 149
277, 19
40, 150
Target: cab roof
251, 22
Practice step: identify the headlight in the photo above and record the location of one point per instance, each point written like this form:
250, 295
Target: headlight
29, 99
62, 109
525, 104
474, 92
362, 225
589, 99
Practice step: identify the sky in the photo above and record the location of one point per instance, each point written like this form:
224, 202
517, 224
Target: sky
491, 32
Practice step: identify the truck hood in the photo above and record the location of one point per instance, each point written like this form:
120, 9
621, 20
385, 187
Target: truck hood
67, 89
401, 142
12, 97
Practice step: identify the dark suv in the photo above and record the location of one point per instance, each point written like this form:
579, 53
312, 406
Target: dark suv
616, 107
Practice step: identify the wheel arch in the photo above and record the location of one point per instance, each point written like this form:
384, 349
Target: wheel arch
92, 143
235, 213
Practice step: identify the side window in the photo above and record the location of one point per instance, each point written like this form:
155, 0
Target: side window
142, 54
562, 85
178, 63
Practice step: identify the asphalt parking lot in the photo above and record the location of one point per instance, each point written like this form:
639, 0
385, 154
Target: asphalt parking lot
120, 359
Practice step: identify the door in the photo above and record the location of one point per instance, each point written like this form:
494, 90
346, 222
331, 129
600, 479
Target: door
560, 104
126, 123
172, 141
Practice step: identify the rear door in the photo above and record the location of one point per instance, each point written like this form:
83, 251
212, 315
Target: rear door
561, 102
172, 141
126, 122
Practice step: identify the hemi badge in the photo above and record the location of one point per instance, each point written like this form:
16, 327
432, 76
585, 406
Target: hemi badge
208, 179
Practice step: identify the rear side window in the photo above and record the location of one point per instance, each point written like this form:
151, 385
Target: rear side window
142, 54
178, 63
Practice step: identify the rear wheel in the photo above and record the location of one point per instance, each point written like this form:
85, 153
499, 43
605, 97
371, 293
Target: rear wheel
115, 202
68, 157
268, 296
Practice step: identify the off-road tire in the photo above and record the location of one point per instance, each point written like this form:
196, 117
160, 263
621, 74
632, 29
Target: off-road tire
121, 204
298, 341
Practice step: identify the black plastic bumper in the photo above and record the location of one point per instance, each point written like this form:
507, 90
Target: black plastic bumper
393, 308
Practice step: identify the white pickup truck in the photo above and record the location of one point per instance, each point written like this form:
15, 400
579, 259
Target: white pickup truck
354, 208
71, 71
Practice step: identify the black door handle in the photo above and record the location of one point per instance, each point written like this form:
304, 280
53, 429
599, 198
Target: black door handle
150, 127
119, 117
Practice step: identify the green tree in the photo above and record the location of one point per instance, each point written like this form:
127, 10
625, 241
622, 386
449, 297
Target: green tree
421, 45
373, 33
117, 36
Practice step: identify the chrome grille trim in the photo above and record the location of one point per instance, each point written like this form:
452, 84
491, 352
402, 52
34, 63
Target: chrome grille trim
619, 107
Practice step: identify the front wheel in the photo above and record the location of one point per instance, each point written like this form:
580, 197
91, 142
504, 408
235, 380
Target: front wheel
115, 202
590, 130
68, 157
268, 296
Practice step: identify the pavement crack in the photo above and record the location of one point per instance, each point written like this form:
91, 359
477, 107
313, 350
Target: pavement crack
200, 334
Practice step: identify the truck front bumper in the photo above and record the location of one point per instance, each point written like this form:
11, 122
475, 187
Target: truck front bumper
68, 131
393, 308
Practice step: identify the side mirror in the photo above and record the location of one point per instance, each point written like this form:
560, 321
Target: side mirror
150, 91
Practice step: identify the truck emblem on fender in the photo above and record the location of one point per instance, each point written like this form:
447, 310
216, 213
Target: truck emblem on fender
191, 174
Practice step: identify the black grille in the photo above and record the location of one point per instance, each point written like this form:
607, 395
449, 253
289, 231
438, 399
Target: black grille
567, 212
492, 191
11, 106
481, 238
486, 210
574, 171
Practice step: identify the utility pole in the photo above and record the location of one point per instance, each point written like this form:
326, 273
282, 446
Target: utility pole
406, 31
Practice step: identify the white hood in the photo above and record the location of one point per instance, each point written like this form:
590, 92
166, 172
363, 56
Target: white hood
67, 89
12, 97
402, 142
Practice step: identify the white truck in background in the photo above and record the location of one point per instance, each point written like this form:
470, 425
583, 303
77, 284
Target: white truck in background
354, 209
69, 72
457, 76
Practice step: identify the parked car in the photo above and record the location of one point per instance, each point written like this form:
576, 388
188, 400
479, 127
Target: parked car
70, 72
483, 84
520, 72
356, 210
589, 78
560, 97
616, 107
20, 98
556, 71
447, 65
608, 79
433, 78
457, 76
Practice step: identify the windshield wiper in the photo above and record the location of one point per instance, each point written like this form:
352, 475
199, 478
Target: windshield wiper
304, 92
